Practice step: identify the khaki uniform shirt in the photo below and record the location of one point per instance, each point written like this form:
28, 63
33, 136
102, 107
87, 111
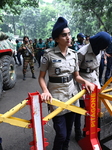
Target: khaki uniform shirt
87, 59
60, 66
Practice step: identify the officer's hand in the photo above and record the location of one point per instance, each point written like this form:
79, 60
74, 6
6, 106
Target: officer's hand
24, 47
46, 97
89, 87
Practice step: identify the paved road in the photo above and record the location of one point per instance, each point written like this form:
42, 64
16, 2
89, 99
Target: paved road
17, 138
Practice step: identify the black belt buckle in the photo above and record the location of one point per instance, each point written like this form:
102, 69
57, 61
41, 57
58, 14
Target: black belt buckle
88, 70
64, 79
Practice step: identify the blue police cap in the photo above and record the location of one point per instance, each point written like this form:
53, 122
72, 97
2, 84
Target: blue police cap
100, 41
81, 35
59, 26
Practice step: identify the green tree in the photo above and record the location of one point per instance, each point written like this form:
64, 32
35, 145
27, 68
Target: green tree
23, 3
97, 10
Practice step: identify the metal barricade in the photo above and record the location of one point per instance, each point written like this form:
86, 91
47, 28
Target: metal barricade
105, 116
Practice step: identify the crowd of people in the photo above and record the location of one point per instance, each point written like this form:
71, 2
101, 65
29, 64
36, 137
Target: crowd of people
39, 47
31, 52
70, 63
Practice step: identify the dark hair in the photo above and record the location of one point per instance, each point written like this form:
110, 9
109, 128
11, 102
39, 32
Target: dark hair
25, 37
17, 41
56, 43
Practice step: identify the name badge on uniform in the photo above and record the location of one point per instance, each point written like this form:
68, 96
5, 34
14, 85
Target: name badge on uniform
56, 61
57, 71
89, 61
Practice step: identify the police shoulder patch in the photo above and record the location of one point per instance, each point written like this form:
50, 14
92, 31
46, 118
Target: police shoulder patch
44, 60
48, 50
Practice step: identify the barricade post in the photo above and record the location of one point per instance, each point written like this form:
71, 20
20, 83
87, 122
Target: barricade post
39, 142
37, 121
91, 123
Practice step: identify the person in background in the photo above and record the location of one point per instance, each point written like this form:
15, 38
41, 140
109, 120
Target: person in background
28, 53
31, 42
35, 48
61, 63
40, 47
51, 43
86, 41
103, 62
89, 57
18, 44
72, 43
80, 42
46, 43
108, 72
14, 52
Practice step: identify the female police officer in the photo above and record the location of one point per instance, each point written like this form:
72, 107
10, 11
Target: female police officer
62, 65
89, 57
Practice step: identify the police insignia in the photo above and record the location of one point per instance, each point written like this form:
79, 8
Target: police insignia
57, 71
44, 60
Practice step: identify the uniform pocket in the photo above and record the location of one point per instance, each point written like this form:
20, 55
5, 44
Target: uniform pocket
72, 62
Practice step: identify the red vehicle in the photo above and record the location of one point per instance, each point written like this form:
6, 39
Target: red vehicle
7, 64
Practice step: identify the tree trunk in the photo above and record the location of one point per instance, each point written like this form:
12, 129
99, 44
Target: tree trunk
13, 22
100, 20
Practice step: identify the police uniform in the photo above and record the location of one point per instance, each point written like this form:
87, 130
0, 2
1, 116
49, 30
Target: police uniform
61, 67
88, 70
89, 57
27, 59
51, 44
89, 64
40, 51
79, 43
61, 86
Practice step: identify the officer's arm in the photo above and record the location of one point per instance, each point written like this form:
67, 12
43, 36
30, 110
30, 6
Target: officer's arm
89, 87
22, 47
44, 46
80, 58
78, 78
46, 94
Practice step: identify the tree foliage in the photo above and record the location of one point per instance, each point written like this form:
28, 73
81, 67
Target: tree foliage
35, 22
15, 5
99, 10
36, 18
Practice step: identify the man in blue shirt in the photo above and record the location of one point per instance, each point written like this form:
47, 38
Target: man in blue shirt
18, 52
80, 42
51, 43
40, 47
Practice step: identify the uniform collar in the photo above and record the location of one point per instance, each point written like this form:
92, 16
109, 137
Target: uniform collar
90, 48
57, 50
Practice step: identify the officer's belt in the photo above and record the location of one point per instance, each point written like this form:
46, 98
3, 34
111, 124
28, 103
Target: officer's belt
87, 70
60, 79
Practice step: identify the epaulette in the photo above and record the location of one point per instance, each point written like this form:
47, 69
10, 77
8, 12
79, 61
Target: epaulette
48, 50
72, 50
